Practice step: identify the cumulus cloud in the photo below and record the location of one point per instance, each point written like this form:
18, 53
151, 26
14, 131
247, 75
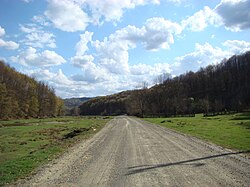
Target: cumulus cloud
2, 31
67, 15
113, 55
36, 37
80, 61
150, 70
27, 1
157, 33
237, 46
202, 56
113, 10
73, 86
31, 57
40, 19
82, 45
75, 15
235, 14
112, 52
7, 44
206, 54
55, 78
92, 73
201, 19
64, 86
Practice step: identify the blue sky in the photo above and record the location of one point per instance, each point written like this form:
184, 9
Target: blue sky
99, 47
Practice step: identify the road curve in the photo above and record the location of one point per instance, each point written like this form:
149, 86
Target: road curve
131, 152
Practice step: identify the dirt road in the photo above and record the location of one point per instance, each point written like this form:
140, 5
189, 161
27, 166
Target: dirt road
130, 152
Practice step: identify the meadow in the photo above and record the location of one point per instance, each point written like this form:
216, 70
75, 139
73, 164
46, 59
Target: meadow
27, 144
230, 131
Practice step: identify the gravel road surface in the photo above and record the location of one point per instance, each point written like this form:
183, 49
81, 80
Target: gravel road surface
130, 152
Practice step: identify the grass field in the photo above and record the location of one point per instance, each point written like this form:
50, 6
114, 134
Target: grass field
26, 144
230, 131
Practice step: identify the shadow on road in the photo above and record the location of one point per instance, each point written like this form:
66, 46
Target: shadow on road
143, 168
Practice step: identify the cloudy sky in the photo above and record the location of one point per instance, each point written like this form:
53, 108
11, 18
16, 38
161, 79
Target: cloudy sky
100, 47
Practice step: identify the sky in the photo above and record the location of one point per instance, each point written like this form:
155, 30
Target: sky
87, 48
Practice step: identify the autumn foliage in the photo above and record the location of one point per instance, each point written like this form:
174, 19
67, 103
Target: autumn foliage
24, 97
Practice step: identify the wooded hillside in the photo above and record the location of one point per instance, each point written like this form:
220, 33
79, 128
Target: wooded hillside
72, 105
24, 97
216, 88
107, 105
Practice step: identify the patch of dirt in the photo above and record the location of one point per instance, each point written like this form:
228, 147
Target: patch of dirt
75, 132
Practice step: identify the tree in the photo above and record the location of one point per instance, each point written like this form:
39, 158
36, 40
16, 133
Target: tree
23, 97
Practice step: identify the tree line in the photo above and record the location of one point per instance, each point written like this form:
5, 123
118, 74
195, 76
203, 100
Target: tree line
216, 88
24, 97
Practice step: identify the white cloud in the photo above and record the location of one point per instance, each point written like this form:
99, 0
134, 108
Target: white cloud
61, 79
150, 70
202, 56
64, 86
206, 54
80, 61
160, 33
36, 37
29, 28
40, 19
82, 45
147, 73
157, 33
67, 15
75, 15
58, 78
8, 44
237, 46
113, 10
73, 86
27, 1
235, 14
31, 57
201, 19
92, 74
2, 31
112, 52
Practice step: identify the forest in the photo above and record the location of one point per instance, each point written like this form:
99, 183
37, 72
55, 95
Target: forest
220, 88
24, 97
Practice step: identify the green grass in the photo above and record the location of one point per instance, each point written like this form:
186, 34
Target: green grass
26, 144
230, 131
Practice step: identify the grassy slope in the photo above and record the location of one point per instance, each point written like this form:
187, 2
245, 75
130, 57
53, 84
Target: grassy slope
231, 131
26, 144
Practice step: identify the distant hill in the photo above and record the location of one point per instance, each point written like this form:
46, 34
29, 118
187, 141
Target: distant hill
75, 102
213, 89
114, 104
72, 105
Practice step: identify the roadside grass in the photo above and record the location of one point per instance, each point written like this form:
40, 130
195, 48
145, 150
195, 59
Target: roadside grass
230, 131
26, 144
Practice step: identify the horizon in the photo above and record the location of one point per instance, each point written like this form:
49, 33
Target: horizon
90, 48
